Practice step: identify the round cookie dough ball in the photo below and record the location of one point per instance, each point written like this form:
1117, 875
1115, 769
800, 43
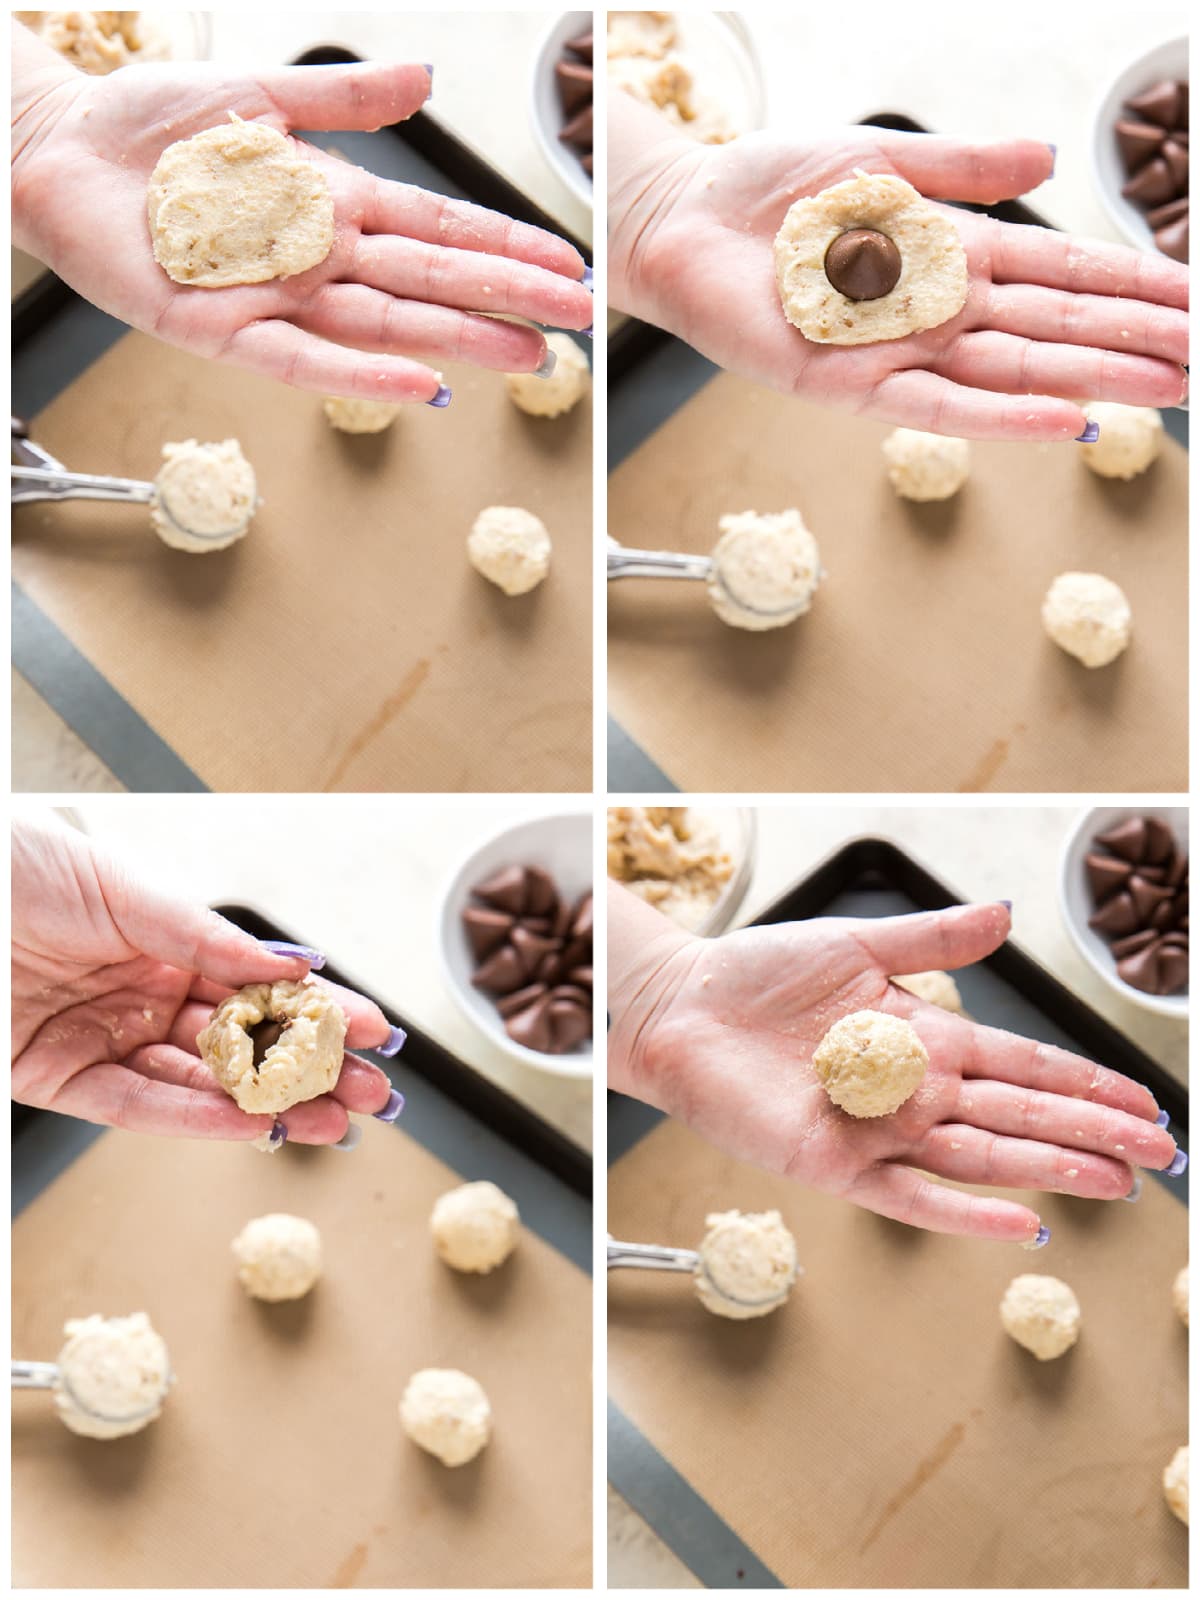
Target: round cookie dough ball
205, 496
238, 204
1175, 1483
870, 1063
1041, 1313
360, 416
1130, 439
1088, 616
272, 1045
278, 1256
510, 548
747, 1264
564, 388
1179, 1295
935, 988
113, 1375
766, 569
926, 466
447, 1413
475, 1227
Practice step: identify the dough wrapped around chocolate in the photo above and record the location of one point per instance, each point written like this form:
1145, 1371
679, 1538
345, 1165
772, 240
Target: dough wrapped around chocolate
272, 1045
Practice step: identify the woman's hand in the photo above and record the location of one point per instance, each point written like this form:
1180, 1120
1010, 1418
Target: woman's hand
1050, 320
402, 285
111, 983
720, 1034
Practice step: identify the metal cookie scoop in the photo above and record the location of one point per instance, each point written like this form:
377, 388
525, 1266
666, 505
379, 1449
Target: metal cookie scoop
626, 563
48, 1375
667, 1258
37, 475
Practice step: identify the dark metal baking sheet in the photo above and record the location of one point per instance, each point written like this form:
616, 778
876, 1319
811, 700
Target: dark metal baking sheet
866, 877
651, 375
453, 1111
57, 335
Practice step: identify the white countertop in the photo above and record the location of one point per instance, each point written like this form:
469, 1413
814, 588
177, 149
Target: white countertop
359, 878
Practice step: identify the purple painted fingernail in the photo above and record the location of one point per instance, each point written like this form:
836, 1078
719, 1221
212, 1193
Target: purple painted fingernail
1163, 1119
1040, 1239
1179, 1166
1136, 1192
589, 279
441, 399
1007, 904
1053, 149
392, 1110
351, 1139
587, 333
429, 69
1090, 434
394, 1043
280, 947
548, 365
277, 1137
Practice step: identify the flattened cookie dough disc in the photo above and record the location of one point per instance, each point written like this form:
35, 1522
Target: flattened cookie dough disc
931, 288
205, 496
272, 1045
237, 204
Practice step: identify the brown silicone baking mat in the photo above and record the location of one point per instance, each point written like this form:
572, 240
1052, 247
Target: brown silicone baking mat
278, 1461
881, 1431
922, 665
345, 643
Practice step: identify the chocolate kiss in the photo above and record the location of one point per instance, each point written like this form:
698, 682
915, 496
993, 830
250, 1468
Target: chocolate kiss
1163, 914
582, 976
571, 1022
1151, 184
578, 130
548, 967
486, 930
581, 923
580, 46
1177, 869
1147, 897
1172, 969
531, 947
1160, 841
1171, 212
501, 973
577, 954
575, 85
1127, 839
543, 895
263, 1035
1105, 874
1160, 104
570, 991
1181, 116
1173, 240
504, 889
1176, 157
1132, 943
532, 1027
1118, 915
1137, 142
1140, 971
562, 919
510, 1004
542, 925
1152, 874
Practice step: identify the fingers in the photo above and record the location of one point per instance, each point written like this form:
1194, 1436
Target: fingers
947, 169
366, 1026
973, 1155
1016, 366
470, 281
361, 1087
917, 399
1060, 1120
907, 1196
1084, 266
411, 213
119, 1097
363, 95
952, 938
353, 314
291, 355
1134, 327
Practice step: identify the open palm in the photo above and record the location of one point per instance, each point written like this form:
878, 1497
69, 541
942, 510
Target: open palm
407, 275
1049, 318
112, 982
728, 1045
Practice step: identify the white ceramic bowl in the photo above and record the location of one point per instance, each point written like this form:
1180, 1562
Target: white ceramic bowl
546, 108
1167, 60
562, 844
1075, 900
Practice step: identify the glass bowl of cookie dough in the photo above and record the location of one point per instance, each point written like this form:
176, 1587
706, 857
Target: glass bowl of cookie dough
98, 42
692, 863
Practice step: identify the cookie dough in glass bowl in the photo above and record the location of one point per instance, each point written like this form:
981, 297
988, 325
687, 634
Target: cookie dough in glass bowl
693, 864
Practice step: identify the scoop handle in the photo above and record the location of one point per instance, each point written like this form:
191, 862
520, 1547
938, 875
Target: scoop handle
654, 1257
34, 1374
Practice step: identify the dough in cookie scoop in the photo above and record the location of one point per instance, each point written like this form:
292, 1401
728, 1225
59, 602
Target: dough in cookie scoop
1088, 616
870, 1063
475, 1227
926, 466
113, 1375
747, 1264
205, 496
766, 569
1130, 439
562, 390
447, 1413
238, 204
1041, 1313
880, 211
278, 1256
510, 548
272, 1045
